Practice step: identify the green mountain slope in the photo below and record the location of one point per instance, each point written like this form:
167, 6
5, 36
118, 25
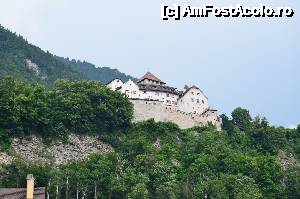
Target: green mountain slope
22, 60
103, 74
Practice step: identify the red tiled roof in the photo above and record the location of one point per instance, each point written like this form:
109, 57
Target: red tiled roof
150, 76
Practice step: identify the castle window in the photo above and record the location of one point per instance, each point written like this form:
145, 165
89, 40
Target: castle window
168, 95
198, 101
202, 101
145, 91
192, 99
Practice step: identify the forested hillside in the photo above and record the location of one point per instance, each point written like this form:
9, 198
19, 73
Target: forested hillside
20, 59
91, 72
149, 159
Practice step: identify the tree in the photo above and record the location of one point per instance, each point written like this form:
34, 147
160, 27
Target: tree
293, 182
227, 124
241, 187
139, 191
4, 140
241, 118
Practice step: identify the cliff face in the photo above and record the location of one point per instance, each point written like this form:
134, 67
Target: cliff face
34, 150
286, 159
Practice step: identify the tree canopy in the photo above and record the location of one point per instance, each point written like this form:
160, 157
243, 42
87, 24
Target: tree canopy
70, 106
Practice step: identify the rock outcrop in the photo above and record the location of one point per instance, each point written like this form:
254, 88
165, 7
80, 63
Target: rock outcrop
5, 158
34, 150
285, 160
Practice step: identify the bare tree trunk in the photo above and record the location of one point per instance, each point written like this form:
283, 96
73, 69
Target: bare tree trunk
67, 188
77, 191
48, 187
56, 191
109, 195
95, 196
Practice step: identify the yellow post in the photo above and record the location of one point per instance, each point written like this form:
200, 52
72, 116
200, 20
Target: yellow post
30, 186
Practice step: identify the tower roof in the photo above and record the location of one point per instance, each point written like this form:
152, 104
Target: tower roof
150, 76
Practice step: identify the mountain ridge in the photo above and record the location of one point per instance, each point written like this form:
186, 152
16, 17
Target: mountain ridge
25, 61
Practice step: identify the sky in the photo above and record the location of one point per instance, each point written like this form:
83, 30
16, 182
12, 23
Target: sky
248, 62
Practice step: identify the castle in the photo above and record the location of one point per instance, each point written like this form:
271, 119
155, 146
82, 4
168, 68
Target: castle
152, 98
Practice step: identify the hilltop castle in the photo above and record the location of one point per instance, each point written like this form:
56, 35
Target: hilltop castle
152, 98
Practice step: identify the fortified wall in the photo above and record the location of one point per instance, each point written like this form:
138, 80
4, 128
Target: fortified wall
145, 109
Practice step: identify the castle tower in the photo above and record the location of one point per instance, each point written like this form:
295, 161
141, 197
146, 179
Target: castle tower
149, 78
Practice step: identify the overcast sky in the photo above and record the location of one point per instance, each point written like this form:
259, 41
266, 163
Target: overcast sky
253, 63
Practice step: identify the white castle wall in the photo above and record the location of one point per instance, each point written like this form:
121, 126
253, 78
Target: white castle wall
194, 101
130, 89
145, 109
166, 98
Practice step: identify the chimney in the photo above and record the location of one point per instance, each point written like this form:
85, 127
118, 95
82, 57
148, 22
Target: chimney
30, 186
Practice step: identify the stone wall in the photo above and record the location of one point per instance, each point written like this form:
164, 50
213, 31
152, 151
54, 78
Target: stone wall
145, 109
34, 150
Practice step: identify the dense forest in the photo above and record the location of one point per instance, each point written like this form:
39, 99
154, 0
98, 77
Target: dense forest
25, 61
150, 159
91, 72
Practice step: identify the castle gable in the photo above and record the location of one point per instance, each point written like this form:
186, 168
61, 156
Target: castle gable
115, 84
193, 89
